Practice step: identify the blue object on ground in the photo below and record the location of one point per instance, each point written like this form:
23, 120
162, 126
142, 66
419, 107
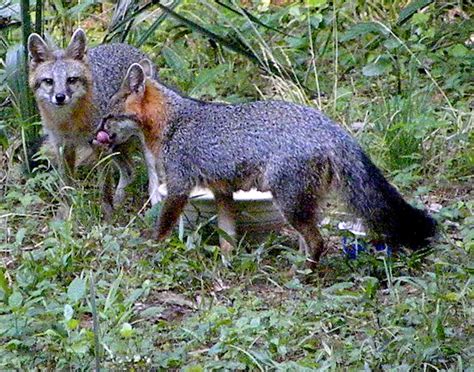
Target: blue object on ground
353, 248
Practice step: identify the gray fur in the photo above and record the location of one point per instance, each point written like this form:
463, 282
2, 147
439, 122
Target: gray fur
109, 64
296, 152
63, 81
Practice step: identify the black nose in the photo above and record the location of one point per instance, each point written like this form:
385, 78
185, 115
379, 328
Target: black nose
60, 98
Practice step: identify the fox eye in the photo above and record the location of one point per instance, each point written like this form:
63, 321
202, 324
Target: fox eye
48, 81
72, 80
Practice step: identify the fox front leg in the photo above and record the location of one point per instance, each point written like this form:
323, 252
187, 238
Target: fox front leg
66, 155
153, 179
122, 160
107, 194
173, 206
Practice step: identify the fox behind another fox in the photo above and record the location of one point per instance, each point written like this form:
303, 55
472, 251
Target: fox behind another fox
293, 151
72, 88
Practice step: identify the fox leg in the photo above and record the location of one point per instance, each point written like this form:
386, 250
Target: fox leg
153, 178
301, 213
124, 165
69, 159
107, 194
173, 206
297, 190
226, 220
66, 156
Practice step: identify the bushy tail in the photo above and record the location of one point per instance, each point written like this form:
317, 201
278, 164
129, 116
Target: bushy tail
384, 210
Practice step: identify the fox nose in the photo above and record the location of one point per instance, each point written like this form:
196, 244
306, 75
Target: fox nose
60, 98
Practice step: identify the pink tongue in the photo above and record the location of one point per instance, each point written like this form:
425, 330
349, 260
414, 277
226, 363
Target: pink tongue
103, 137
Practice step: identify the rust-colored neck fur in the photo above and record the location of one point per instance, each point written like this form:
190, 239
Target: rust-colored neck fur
151, 108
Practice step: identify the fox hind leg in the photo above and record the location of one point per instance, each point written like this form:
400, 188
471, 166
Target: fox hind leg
298, 194
226, 215
302, 215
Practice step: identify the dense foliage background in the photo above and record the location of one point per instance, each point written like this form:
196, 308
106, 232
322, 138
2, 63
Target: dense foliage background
396, 74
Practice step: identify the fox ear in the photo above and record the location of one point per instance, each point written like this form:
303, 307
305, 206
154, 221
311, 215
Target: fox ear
135, 78
77, 46
147, 67
38, 49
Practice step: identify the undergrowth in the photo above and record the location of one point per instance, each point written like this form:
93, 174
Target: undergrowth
77, 292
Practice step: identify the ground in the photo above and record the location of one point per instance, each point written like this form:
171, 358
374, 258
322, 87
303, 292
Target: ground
176, 305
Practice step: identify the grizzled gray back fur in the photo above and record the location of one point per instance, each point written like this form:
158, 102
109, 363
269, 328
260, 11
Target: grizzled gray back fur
109, 64
294, 151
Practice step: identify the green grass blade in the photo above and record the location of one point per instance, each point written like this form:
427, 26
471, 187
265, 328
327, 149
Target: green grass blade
411, 9
245, 13
39, 17
156, 24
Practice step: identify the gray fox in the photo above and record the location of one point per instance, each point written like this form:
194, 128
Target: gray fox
72, 88
293, 151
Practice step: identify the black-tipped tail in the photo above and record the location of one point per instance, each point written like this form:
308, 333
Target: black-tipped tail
385, 211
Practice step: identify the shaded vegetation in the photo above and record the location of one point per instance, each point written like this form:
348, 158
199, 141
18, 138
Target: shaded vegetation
397, 75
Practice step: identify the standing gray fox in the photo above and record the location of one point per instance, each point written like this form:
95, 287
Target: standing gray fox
293, 151
72, 88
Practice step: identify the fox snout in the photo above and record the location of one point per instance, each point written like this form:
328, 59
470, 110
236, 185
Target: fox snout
102, 136
103, 139
60, 84
60, 99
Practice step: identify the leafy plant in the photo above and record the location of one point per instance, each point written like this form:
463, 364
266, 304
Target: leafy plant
80, 293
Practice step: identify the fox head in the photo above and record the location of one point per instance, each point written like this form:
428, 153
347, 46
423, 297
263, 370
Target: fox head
137, 109
59, 78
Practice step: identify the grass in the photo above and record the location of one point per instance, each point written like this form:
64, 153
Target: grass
79, 293
175, 305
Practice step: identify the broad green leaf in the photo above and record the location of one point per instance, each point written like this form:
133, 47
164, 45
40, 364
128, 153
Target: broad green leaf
411, 9
20, 235
362, 29
15, 300
76, 290
207, 77
126, 331
80, 347
295, 11
68, 312
391, 43
377, 68
152, 311
316, 20
458, 51
4, 282
72, 323
173, 59
194, 368
420, 19
315, 3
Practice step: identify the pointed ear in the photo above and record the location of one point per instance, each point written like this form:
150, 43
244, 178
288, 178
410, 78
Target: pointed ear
135, 79
147, 67
77, 46
38, 49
